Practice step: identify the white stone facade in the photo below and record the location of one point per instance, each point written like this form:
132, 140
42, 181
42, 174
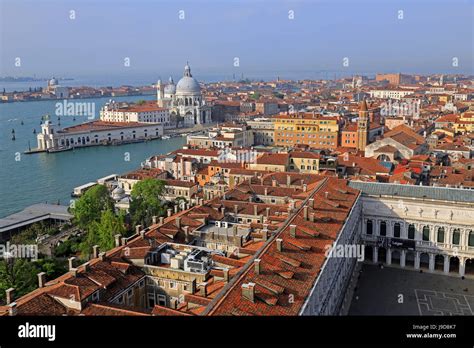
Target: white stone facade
184, 100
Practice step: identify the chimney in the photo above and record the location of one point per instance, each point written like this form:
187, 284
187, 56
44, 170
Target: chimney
267, 210
117, 241
169, 212
311, 217
255, 210
178, 222
95, 251
102, 256
279, 243
311, 203
250, 199
154, 219
142, 234
176, 209
256, 264
226, 275
174, 303
71, 262
223, 211
326, 194
9, 295
288, 180
266, 191
261, 181
234, 229
203, 289
124, 241
138, 228
86, 267
264, 234
274, 183
12, 310
248, 291
305, 187
236, 209
186, 233
162, 220
73, 272
305, 212
293, 231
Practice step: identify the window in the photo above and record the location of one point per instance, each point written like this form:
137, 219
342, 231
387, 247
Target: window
141, 284
161, 300
426, 233
383, 228
369, 226
470, 241
396, 230
151, 300
440, 238
173, 285
456, 237
411, 231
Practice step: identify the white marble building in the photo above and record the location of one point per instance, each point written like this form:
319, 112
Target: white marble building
429, 228
184, 100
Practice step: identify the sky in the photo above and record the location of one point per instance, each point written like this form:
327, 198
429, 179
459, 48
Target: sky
269, 38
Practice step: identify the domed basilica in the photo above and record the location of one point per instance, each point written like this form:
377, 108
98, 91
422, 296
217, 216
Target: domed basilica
184, 99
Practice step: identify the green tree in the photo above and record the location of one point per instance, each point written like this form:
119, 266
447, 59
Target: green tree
146, 201
103, 233
20, 274
89, 207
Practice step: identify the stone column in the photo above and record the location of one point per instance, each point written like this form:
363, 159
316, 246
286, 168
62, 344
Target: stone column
462, 266
417, 260
388, 257
432, 262
403, 255
375, 254
446, 264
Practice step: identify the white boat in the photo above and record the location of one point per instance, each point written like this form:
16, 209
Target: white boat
165, 137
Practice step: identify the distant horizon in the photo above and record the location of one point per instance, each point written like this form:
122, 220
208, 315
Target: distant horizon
220, 38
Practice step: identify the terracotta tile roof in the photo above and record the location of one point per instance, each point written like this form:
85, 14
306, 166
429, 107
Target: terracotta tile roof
293, 270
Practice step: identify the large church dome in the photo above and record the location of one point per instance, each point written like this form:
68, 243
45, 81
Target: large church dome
188, 84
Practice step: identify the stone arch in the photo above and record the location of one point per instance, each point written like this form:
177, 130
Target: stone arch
439, 262
382, 255
454, 263
469, 267
424, 260
385, 158
368, 252
396, 256
410, 258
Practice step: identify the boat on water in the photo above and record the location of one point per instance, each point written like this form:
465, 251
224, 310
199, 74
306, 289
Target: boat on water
60, 149
165, 137
184, 134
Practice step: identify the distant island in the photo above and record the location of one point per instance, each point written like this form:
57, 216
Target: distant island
29, 79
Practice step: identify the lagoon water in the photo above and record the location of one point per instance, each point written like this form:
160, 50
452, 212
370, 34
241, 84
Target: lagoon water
38, 178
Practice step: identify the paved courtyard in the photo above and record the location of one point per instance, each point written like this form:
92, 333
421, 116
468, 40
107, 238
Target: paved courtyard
394, 291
